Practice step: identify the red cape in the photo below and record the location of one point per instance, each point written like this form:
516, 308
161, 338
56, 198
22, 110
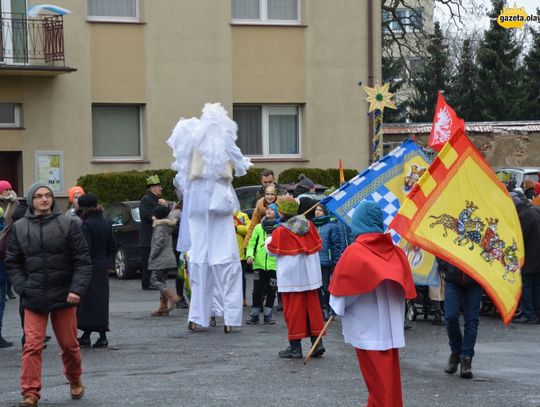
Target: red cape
286, 243
368, 261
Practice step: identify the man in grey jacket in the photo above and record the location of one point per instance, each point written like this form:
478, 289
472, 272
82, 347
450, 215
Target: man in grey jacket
49, 265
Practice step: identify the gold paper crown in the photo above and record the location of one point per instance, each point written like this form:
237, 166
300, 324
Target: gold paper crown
288, 205
152, 180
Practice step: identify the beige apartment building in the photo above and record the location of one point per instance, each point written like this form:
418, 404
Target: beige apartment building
100, 89
417, 18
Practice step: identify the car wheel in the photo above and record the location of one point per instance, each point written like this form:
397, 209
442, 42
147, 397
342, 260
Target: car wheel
121, 267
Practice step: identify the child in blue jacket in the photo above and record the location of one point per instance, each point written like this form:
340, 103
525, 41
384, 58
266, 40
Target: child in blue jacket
332, 247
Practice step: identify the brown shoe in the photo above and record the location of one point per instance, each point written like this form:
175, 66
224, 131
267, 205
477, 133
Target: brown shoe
171, 298
162, 311
76, 389
28, 401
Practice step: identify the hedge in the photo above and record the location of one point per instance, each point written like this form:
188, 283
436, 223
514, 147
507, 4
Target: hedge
328, 177
130, 185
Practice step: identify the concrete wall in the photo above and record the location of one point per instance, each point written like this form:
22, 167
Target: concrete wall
500, 149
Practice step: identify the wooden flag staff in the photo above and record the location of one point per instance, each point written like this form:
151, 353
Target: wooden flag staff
314, 346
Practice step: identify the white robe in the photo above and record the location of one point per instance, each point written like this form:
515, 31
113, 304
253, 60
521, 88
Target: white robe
205, 154
297, 273
374, 320
214, 263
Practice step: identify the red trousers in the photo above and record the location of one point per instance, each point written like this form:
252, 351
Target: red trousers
64, 323
303, 314
380, 369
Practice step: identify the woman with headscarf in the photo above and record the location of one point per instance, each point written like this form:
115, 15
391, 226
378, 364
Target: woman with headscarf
74, 193
368, 290
93, 310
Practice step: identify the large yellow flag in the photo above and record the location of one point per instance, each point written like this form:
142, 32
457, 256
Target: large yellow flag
460, 212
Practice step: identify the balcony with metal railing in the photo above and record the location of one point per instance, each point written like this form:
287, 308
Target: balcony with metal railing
32, 46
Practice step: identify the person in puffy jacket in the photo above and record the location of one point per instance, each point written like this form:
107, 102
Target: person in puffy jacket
162, 260
49, 265
264, 268
330, 253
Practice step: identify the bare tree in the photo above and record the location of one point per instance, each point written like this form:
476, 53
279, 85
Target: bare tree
403, 29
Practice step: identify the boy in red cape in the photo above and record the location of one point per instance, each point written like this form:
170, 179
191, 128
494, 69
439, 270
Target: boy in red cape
368, 290
296, 245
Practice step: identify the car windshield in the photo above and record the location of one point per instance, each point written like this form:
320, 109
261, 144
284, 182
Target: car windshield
135, 214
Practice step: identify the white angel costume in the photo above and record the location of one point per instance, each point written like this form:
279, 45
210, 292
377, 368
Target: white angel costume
205, 155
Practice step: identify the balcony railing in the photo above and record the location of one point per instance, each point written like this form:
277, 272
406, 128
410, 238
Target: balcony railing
35, 42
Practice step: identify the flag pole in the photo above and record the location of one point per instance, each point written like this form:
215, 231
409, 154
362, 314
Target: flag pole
314, 346
378, 97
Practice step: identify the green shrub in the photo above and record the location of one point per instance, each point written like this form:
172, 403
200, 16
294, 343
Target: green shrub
125, 186
328, 177
317, 175
130, 185
253, 177
334, 174
112, 187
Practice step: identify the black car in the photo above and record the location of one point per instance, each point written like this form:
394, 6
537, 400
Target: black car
247, 196
126, 225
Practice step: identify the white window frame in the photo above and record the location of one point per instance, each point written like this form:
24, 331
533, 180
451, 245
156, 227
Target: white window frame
406, 19
16, 119
265, 131
141, 134
115, 19
263, 6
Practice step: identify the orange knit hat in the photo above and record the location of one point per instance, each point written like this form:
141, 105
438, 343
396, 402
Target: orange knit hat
74, 190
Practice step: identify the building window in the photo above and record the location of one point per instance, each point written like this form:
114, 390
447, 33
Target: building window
10, 115
113, 10
416, 66
266, 11
116, 132
411, 18
268, 130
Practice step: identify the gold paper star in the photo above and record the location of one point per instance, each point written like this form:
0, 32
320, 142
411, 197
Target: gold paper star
379, 97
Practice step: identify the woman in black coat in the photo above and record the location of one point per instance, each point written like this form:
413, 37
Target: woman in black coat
93, 310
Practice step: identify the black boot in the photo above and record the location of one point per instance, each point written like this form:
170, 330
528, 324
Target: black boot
466, 368
84, 340
4, 343
319, 350
182, 304
453, 362
269, 316
294, 351
253, 317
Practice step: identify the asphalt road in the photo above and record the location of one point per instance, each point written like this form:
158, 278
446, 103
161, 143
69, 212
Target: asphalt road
156, 361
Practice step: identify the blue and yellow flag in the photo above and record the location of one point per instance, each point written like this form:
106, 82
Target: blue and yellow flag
387, 182
460, 212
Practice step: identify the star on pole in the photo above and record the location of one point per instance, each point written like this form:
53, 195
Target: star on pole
379, 97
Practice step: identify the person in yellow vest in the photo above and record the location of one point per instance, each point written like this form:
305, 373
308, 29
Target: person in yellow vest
241, 226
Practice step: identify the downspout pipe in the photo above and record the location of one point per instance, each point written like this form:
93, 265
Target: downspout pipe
371, 76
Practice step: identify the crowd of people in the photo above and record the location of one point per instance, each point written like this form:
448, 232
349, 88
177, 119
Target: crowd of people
300, 256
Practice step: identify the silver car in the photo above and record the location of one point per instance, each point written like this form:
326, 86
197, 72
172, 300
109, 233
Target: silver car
520, 174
